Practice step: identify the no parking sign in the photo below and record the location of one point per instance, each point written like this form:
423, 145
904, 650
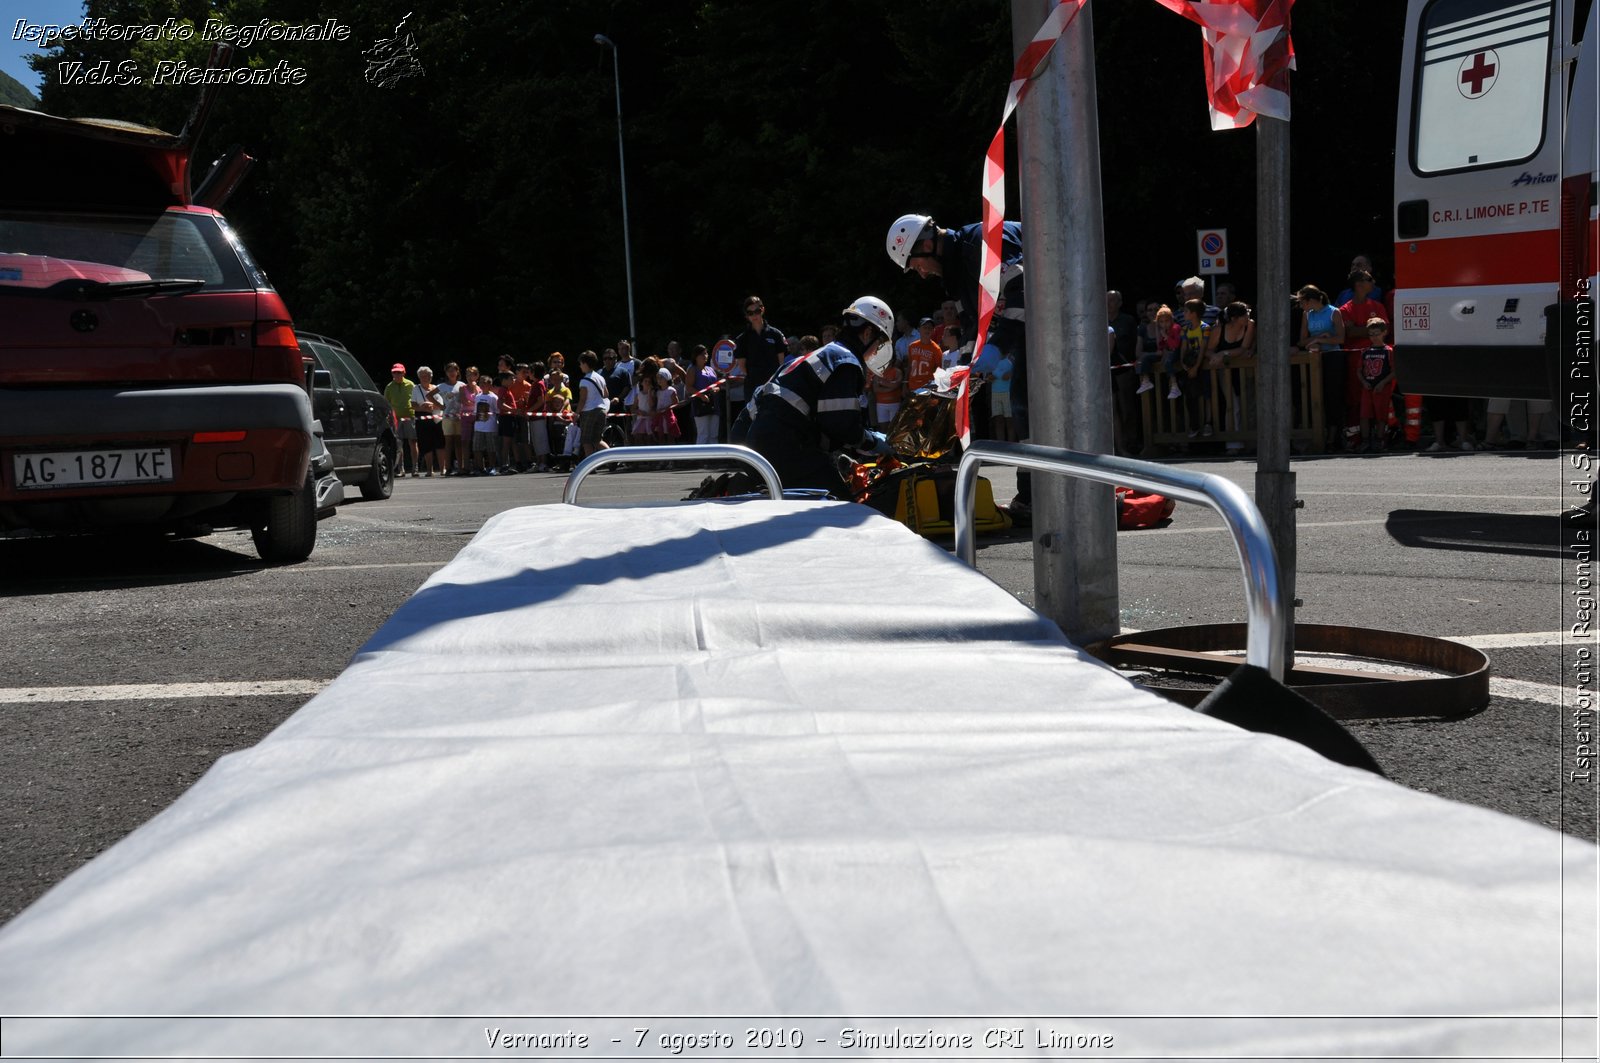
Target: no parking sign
722, 356
1213, 245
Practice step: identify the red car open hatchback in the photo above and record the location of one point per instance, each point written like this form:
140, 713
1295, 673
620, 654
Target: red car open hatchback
149, 372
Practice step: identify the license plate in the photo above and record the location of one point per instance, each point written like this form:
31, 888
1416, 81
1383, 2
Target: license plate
91, 468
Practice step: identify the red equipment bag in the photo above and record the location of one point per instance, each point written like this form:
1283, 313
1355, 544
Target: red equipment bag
1142, 511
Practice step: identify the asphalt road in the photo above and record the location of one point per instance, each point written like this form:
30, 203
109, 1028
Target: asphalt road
130, 667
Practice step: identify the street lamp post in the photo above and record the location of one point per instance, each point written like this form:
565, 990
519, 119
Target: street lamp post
622, 170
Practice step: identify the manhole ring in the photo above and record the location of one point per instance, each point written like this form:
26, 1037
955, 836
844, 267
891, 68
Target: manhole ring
1444, 679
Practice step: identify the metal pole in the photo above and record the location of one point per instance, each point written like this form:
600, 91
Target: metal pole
1069, 374
1275, 484
622, 170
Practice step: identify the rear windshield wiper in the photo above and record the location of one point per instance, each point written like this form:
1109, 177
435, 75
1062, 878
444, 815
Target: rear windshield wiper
81, 288
136, 289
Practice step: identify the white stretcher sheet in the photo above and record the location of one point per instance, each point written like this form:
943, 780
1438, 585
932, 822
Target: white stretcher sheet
776, 758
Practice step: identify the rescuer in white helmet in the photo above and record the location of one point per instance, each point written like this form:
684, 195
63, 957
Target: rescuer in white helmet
917, 244
812, 407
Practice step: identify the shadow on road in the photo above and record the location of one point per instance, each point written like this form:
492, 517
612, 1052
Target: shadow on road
1534, 535
83, 563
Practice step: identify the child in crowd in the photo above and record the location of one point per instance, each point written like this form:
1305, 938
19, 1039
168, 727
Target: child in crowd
468, 412
651, 403
922, 358
1000, 424
1149, 340
1377, 385
1169, 338
485, 433
667, 431
557, 396
887, 387
639, 404
1195, 379
953, 348
508, 417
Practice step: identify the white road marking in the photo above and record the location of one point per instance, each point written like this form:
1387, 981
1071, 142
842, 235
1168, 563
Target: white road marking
1516, 689
1415, 494
1522, 690
1336, 523
161, 691
1512, 641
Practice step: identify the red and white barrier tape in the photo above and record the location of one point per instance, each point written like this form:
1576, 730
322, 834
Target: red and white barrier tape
1248, 57
994, 189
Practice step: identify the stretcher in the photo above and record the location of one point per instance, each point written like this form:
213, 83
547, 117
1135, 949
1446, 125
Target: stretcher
786, 758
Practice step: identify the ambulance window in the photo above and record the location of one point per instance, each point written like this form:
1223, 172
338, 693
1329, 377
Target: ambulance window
1480, 86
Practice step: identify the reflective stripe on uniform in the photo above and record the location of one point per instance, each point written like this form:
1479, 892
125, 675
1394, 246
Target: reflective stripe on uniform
824, 360
791, 398
827, 405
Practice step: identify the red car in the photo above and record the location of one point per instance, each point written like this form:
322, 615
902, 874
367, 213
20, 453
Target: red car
149, 373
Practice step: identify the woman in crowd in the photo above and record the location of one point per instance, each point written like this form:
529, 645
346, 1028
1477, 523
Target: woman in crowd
1233, 341
450, 411
704, 407
1322, 331
429, 406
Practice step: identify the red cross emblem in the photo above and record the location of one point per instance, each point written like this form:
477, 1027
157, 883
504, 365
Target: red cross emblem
1478, 72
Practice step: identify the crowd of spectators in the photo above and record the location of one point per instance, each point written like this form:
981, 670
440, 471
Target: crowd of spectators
1187, 341
521, 417
527, 417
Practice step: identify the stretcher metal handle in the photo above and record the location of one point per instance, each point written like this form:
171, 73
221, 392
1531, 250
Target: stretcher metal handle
696, 453
1268, 620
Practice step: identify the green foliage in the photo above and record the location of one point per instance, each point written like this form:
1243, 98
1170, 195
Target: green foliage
16, 94
476, 209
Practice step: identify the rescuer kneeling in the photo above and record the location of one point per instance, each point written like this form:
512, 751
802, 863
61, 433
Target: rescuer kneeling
812, 407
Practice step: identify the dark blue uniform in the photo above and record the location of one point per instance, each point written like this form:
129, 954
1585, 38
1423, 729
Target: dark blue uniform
812, 407
961, 266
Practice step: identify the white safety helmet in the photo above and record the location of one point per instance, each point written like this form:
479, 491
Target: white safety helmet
904, 235
875, 312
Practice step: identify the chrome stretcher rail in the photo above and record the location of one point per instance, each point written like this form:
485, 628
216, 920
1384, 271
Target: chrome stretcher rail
697, 453
1267, 619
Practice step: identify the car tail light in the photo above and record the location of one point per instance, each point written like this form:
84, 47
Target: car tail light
277, 352
218, 437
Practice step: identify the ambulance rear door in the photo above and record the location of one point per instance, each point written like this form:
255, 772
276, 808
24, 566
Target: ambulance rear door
1478, 163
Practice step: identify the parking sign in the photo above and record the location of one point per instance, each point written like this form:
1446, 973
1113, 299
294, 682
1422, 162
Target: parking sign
1213, 246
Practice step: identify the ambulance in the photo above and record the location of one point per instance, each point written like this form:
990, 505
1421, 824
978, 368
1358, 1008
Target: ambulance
1495, 223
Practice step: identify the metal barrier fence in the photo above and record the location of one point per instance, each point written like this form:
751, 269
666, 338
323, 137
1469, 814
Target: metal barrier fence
1227, 403
678, 453
1265, 613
